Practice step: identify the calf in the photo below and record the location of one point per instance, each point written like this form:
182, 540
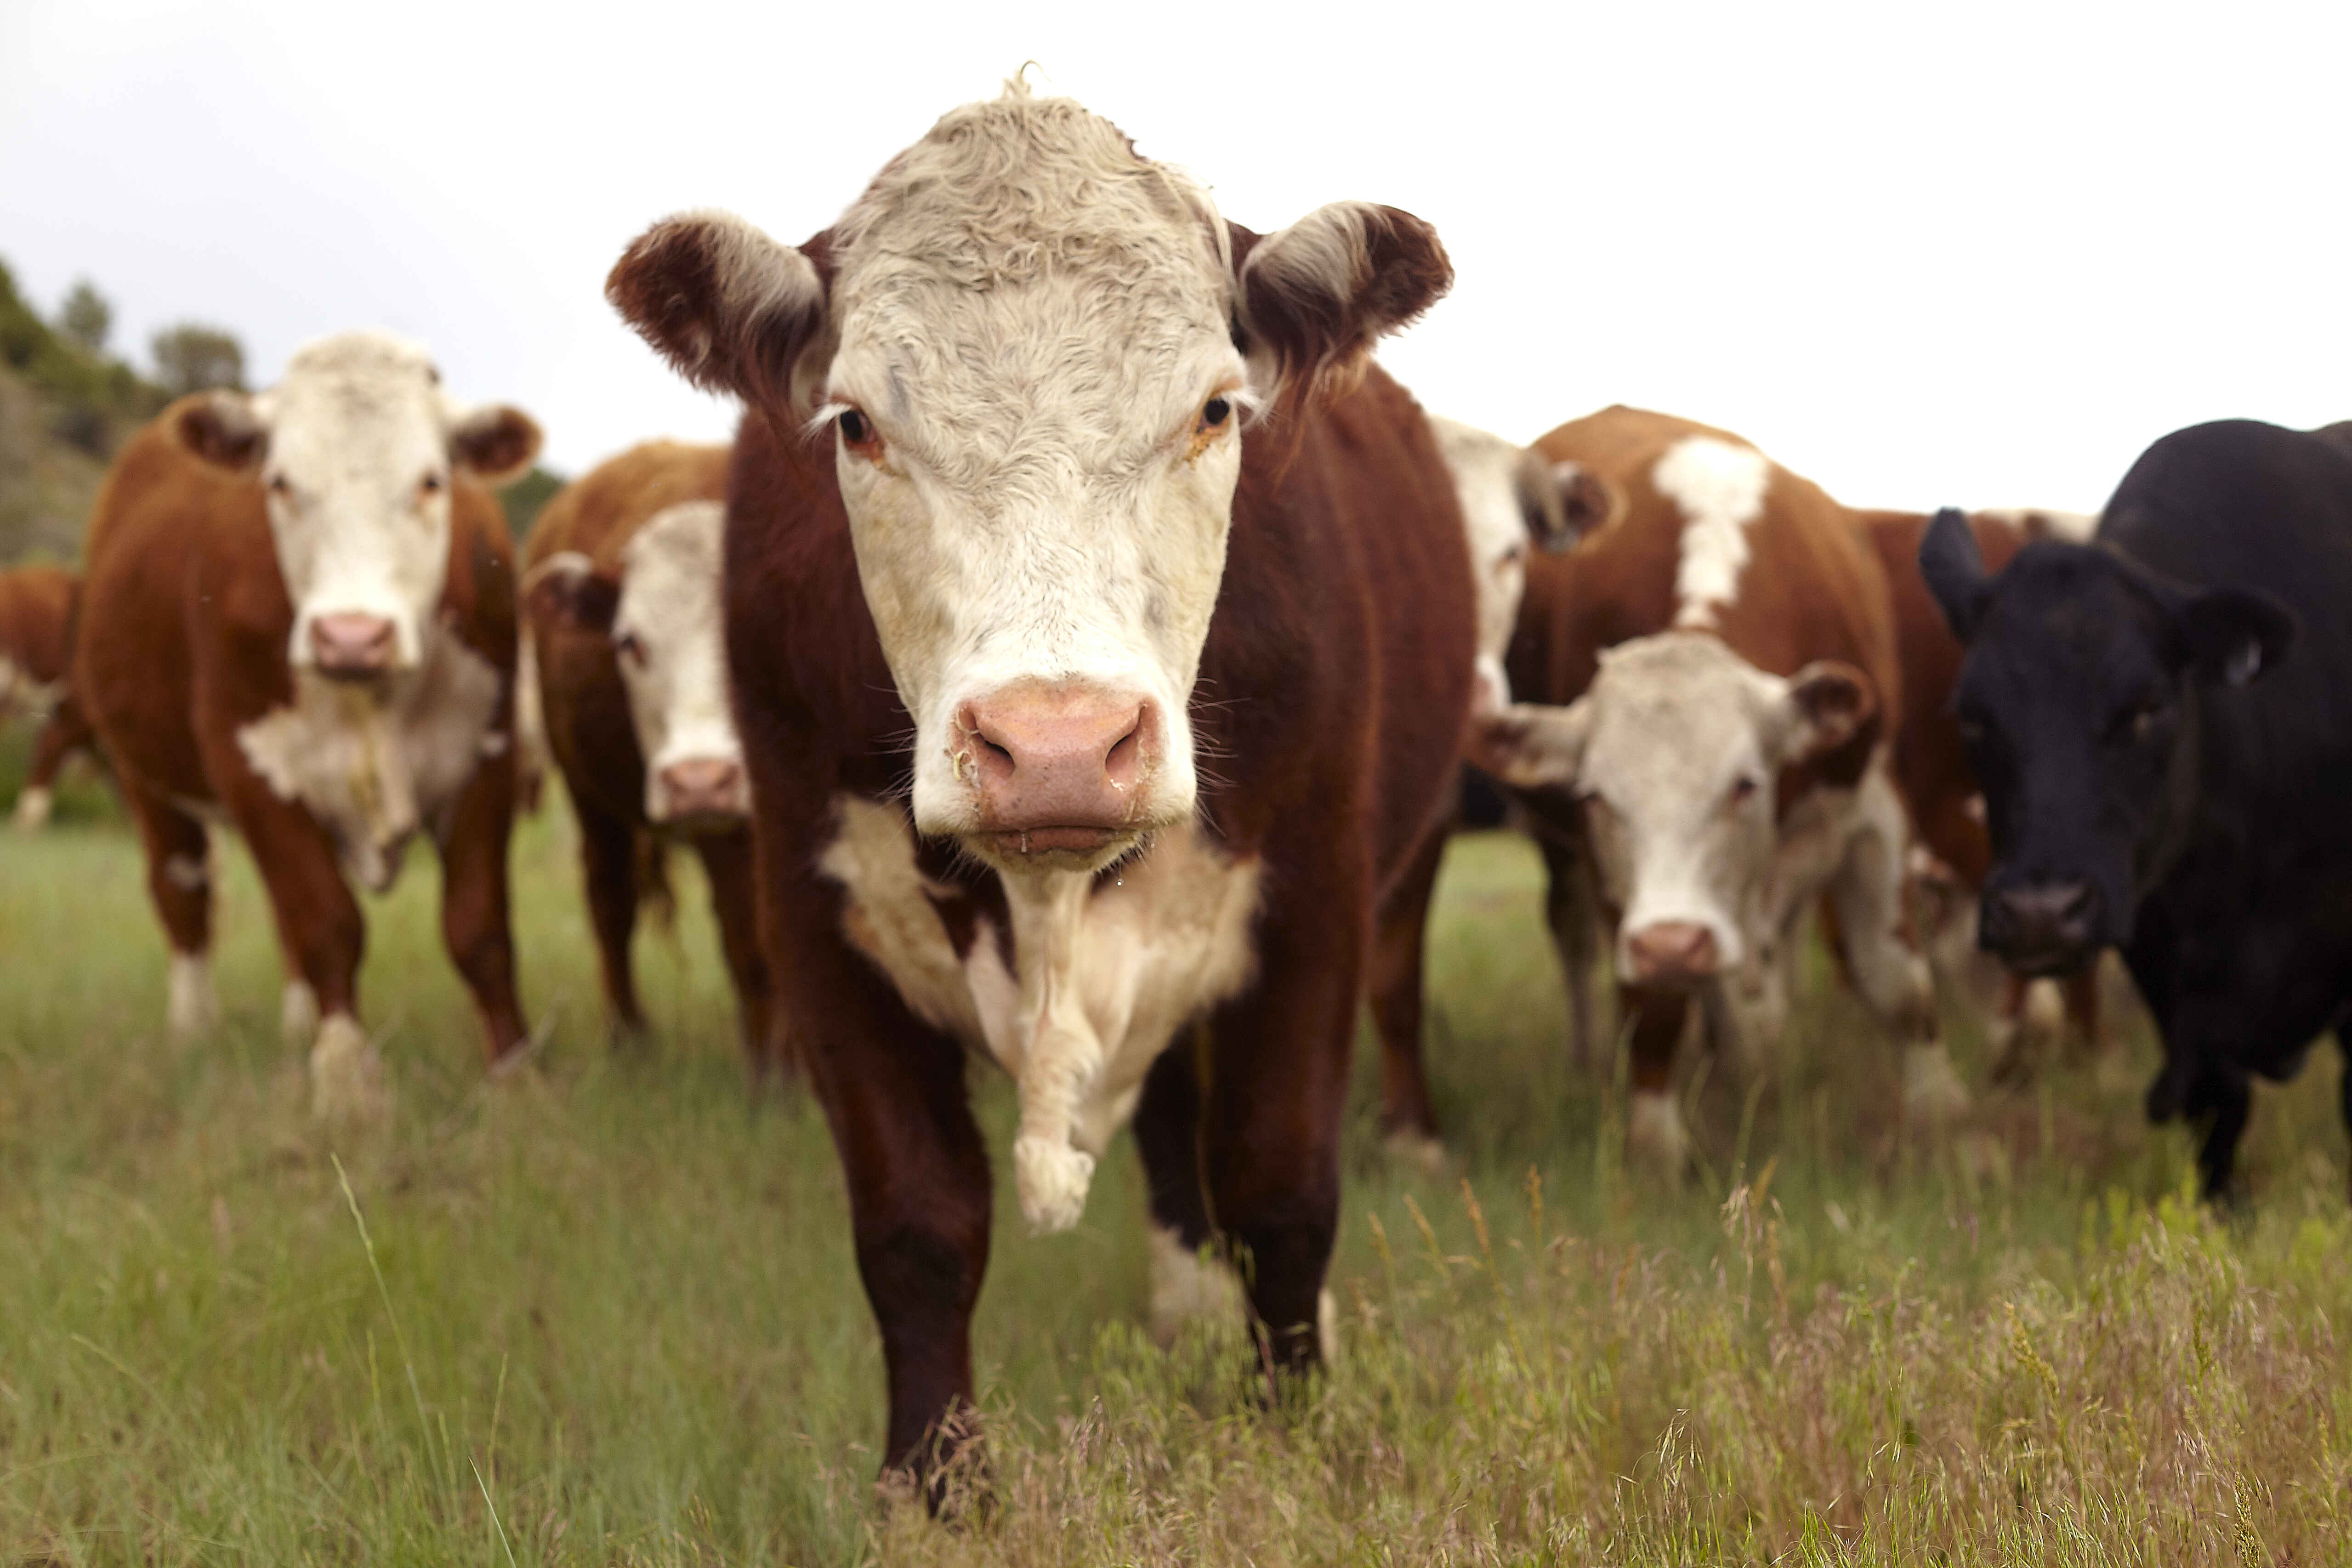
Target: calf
2160, 776
36, 606
1076, 721
299, 613
1715, 679
622, 598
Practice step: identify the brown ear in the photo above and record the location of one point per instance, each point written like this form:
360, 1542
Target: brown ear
1314, 298
1562, 502
730, 307
496, 443
568, 588
1829, 703
223, 428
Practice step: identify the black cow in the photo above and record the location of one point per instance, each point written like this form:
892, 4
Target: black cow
2160, 776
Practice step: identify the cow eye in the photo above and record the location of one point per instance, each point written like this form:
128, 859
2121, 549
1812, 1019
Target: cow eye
1743, 790
856, 430
430, 484
278, 485
1215, 412
2147, 718
628, 645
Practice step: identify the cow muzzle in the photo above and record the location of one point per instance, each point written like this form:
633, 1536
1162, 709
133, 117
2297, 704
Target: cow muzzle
354, 646
1059, 772
1672, 955
2039, 929
701, 794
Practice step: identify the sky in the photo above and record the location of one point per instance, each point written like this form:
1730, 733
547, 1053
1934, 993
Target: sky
1978, 255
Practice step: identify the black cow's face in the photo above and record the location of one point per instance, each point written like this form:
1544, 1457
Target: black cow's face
2078, 703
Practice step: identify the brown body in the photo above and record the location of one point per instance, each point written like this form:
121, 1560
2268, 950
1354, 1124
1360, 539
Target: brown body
182, 643
37, 607
1333, 695
1811, 591
594, 741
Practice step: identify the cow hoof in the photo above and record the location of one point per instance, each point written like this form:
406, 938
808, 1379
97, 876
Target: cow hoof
297, 1015
1415, 1151
33, 810
1932, 1091
193, 1007
1190, 1286
1655, 1139
1052, 1179
346, 1074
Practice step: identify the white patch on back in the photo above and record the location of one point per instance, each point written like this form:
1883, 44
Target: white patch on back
373, 772
1103, 977
1719, 488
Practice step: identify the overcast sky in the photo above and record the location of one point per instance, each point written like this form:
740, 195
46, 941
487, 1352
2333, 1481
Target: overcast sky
1976, 253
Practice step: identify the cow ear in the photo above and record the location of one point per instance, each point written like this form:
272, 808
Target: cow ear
495, 443
1312, 299
2236, 637
1532, 746
567, 587
1574, 500
731, 310
224, 428
1954, 571
1828, 703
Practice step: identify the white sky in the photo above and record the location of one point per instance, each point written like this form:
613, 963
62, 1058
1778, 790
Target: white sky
1976, 253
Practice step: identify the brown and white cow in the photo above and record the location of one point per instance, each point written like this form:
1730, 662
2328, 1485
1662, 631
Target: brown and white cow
1954, 850
1080, 719
298, 614
37, 606
622, 596
1714, 679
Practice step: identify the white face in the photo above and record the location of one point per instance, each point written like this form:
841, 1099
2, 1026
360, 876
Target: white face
356, 448
1487, 478
666, 638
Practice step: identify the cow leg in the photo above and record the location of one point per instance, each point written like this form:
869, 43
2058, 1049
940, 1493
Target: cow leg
2221, 1099
1656, 1138
608, 860
62, 734
180, 881
1892, 977
1572, 911
476, 925
1398, 945
1187, 1283
726, 862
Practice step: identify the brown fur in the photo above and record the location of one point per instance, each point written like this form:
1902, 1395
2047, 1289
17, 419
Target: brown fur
37, 611
595, 740
182, 641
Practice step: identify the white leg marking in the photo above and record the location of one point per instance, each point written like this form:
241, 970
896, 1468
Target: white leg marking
1416, 1150
1190, 1287
1326, 1325
33, 810
193, 1008
297, 1014
1656, 1138
346, 1074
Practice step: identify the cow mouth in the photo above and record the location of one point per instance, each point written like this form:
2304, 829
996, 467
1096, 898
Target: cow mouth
703, 822
2047, 961
1052, 843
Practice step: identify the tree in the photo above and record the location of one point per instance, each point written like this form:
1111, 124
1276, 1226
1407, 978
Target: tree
191, 357
85, 317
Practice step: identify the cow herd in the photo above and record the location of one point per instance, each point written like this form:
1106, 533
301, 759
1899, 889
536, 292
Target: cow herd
1071, 662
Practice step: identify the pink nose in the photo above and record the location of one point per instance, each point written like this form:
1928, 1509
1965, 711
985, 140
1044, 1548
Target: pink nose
1057, 767
352, 644
1673, 952
704, 786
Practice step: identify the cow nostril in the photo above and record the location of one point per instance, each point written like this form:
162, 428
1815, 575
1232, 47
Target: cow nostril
1125, 758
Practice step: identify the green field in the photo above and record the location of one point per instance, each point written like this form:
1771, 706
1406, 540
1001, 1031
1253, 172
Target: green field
610, 1312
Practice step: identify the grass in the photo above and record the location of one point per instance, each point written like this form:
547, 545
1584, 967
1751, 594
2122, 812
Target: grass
609, 1313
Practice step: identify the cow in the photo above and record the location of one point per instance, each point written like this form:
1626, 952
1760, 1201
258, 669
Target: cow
1714, 683
1952, 852
621, 605
37, 607
299, 617
1512, 497
2159, 725
1079, 722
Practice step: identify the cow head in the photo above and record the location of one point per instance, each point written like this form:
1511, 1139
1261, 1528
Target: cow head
354, 450
1677, 751
662, 615
2078, 703
1034, 353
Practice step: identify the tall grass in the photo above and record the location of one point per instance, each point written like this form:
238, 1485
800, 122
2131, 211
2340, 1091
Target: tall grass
609, 1313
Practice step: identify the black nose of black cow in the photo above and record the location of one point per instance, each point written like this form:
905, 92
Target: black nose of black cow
2041, 928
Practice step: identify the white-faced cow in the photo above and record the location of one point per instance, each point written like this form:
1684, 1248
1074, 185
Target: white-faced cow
1080, 719
299, 615
37, 609
1713, 680
621, 593
2161, 773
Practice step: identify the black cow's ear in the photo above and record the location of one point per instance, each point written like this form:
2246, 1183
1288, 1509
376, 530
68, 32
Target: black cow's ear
566, 587
1954, 569
2235, 636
